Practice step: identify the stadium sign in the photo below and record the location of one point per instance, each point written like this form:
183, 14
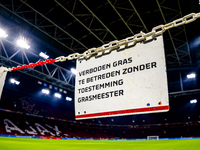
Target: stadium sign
125, 82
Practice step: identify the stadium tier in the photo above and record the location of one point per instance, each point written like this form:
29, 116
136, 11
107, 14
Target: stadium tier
23, 114
19, 124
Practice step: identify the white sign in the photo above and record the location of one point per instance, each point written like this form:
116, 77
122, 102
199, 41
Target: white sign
130, 81
3, 73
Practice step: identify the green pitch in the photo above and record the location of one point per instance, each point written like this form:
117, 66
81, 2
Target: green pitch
7, 143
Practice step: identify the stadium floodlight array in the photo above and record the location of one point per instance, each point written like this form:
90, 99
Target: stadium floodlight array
57, 95
23, 44
45, 91
43, 55
193, 101
14, 81
192, 75
68, 98
3, 33
73, 71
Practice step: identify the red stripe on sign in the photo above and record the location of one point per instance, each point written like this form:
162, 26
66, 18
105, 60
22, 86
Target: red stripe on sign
119, 112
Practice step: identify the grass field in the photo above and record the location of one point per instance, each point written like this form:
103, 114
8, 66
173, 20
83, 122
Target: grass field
7, 143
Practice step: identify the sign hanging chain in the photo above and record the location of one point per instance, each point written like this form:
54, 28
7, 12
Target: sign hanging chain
107, 48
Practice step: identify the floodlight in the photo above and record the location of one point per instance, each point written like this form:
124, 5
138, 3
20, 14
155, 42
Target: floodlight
45, 91
193, 101
45, 56
14, 81
21, 43
3, 33
17, 82
57, 95
68, 98
73, 71
192, 75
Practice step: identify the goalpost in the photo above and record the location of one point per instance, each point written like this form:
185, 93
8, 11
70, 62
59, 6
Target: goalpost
153, 137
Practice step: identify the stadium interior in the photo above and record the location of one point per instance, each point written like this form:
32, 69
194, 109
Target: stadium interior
62, 27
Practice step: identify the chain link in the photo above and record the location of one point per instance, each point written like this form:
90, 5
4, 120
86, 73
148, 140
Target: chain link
131, 41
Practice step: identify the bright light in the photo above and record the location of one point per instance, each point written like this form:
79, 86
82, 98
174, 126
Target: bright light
17, 82
14, 81
45, 91
68, 98
73, 71
192, 75
3, 33
21, 43
44, 55
57, 95
193, 101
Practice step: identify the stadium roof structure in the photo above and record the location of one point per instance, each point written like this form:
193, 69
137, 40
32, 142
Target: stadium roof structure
63, 27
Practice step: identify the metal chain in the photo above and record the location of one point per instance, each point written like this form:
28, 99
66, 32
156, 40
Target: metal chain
107, 48
130, 41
